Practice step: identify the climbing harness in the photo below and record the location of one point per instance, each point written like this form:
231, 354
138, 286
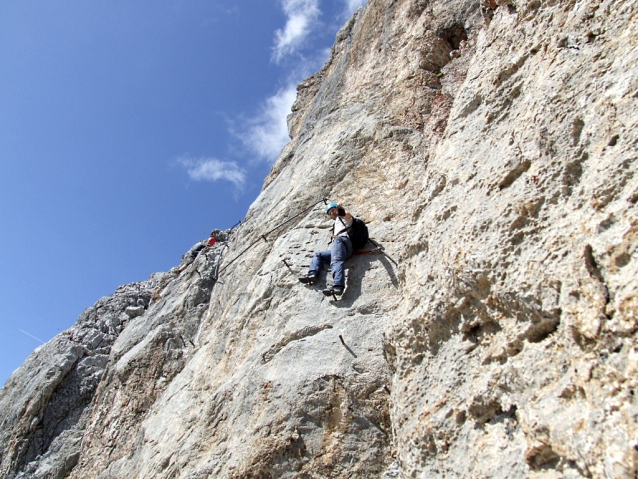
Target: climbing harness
381, 249
377, 249
368, 251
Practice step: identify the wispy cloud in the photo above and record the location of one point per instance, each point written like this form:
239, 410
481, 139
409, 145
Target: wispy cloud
352, 5
211, 169
267, 132
302, 17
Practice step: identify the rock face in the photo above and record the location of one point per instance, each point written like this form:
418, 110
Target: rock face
491, 148
47, 402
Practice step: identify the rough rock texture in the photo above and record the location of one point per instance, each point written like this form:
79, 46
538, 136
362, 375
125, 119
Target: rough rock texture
491, 147
45, 403
48, 403
515, 345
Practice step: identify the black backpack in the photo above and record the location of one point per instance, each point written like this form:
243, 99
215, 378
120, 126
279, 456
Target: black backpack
358, 233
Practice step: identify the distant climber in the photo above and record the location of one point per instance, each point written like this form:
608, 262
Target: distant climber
192, 253
342, 248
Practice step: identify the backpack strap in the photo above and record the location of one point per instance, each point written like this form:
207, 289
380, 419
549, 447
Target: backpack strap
348, 228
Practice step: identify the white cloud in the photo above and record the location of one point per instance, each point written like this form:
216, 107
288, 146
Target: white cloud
302, 16
211, 169
351, 6
267, 133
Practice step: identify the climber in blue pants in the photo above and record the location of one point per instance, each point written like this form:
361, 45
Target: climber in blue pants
340, 251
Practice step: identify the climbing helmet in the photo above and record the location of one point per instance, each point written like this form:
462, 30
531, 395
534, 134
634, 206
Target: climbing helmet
330, 206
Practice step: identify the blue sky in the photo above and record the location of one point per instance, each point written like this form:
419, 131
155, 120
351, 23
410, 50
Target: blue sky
128, 130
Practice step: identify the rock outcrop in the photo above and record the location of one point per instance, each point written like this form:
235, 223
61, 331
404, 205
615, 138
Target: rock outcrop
143, 330
491, 147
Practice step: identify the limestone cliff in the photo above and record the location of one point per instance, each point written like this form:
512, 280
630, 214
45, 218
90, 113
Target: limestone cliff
491, 148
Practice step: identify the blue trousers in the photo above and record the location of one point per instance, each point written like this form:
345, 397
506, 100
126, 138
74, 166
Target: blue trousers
340, 251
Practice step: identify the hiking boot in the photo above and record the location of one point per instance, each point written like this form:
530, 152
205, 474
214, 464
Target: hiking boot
338, 290
310, 278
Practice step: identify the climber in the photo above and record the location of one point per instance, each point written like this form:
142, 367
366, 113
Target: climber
192, 254
340, 251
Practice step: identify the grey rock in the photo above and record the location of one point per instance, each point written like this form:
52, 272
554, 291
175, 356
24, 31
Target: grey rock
503, 344
134, 311
47, 402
